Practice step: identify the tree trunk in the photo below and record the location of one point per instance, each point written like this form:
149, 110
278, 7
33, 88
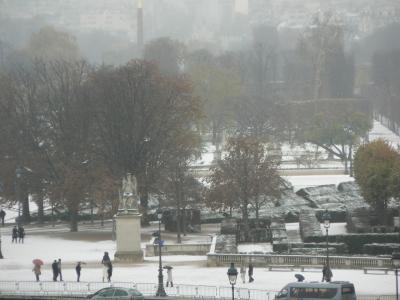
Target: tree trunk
144, 202
184, 221
351, 160
26, 216
39, 202
73, 220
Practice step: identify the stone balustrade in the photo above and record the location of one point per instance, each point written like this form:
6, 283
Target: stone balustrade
263, 260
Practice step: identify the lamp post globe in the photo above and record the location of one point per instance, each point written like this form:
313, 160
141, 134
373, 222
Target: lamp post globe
232, 276
396, 265
326, 217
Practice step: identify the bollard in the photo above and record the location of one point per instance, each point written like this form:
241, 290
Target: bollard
88, 286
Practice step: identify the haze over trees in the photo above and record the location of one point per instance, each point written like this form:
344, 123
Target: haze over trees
78, 111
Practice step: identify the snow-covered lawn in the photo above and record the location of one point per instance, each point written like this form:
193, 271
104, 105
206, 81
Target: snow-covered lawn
17, 265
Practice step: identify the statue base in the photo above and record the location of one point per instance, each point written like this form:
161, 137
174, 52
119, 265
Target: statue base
128, 236
129, 257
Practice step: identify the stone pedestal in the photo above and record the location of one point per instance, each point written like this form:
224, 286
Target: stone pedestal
128, 237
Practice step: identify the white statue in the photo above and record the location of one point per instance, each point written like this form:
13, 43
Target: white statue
129, 196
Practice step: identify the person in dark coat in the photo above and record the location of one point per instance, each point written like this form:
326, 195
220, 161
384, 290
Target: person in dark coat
2, 216
54, 267
251, 269
14, 234
78, 269
21, 234
105, 261
109, 271
326, 273
59, 269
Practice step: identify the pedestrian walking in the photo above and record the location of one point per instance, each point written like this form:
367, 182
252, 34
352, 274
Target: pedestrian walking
14, 234
243, 273
54, 267
2, 216
169, 276
21, 234
109, 271
78, 269
105, 261
59, 269
326, 273
37, 270
251, 270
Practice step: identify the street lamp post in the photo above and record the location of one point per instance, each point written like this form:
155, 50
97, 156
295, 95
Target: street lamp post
160, 291
396, 264
232, 276
327, 222
1, 254
18, 175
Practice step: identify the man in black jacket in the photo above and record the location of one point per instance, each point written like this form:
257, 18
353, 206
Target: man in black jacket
54, 266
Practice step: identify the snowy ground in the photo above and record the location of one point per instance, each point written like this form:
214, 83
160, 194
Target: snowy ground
187, 269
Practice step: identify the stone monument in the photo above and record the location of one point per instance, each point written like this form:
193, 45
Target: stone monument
128, 222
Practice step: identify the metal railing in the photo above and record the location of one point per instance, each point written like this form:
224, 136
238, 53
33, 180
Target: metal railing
72, 288
344, 262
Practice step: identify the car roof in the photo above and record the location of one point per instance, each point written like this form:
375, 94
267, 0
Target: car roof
319, 284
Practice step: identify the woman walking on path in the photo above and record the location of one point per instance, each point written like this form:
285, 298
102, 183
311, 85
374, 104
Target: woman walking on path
37, 270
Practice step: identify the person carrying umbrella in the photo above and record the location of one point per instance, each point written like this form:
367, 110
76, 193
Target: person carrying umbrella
169, 275
37, 268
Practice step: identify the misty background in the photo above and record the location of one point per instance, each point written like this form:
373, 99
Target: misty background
169, 75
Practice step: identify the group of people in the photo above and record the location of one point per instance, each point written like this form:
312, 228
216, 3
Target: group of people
250, 272
18, 234
56, 267
107, 267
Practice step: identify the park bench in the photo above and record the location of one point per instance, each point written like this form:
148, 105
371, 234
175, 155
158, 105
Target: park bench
386, 270
308, 267
281, 267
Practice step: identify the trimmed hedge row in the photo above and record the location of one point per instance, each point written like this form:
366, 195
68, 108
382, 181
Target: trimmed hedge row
340, 248
355, 242
377, 249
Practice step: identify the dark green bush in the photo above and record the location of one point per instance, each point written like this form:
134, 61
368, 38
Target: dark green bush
355, 242
379, 249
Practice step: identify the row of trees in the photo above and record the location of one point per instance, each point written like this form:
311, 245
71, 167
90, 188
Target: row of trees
80, 129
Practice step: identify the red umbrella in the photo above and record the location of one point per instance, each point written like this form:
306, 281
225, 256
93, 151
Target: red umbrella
37, 261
